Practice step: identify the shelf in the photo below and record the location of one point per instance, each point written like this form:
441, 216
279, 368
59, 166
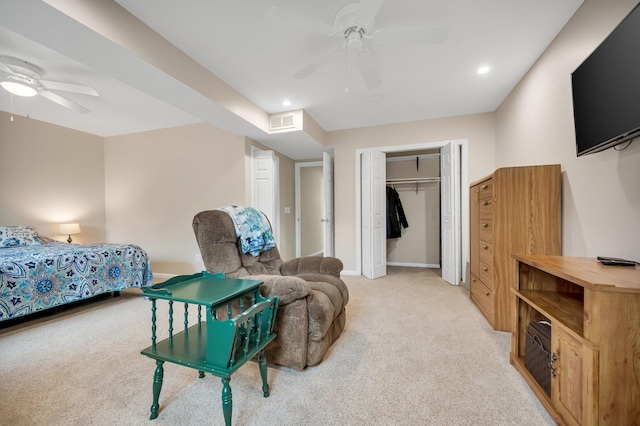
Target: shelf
566, 308
189, 348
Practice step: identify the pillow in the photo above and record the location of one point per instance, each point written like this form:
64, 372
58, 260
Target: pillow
13, 236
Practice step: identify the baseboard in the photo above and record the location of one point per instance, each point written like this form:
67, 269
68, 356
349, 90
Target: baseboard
159, 277
414, 265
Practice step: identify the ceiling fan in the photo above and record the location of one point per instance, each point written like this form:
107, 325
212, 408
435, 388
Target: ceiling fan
22, 78
354, 27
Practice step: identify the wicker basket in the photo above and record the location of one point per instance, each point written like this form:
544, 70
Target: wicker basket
537, 356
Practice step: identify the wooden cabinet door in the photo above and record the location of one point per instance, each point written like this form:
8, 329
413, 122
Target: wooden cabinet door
574, 384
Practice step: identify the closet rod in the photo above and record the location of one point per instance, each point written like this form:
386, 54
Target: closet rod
415, 180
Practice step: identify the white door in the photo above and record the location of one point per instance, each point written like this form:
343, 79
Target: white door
374, 214
450, 212
265, 188
327, 205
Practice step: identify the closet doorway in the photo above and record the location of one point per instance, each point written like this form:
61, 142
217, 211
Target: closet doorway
452, 230
413, 183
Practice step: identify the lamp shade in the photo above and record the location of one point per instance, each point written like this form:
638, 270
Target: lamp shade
69, 228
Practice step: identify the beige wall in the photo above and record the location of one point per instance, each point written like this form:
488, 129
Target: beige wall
601, 198
157, 181
49, 175
287, 246
478, 129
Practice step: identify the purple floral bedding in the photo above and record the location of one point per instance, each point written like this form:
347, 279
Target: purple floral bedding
41, 276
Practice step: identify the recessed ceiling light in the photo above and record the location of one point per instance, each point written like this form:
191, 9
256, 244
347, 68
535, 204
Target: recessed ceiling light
484, 69
286, 102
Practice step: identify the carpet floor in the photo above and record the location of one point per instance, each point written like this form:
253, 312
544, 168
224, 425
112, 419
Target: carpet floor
415, 351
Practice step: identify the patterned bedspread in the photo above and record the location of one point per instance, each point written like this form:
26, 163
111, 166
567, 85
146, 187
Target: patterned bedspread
38, 277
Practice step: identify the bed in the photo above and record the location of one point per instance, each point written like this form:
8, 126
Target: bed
37, 273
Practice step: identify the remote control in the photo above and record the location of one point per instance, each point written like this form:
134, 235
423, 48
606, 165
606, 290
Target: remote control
616, 261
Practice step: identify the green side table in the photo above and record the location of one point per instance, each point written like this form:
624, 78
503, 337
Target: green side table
238, 325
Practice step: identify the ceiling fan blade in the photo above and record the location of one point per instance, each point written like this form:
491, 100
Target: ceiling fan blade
68, 87
411, 35
301, 21
368, 10
317, 63
368, 69
63, 101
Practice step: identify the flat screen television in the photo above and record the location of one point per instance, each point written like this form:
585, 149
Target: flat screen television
606, 90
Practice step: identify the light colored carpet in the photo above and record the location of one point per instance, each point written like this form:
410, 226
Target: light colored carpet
415, 351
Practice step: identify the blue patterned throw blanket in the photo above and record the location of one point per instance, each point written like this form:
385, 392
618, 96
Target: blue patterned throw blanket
252, 228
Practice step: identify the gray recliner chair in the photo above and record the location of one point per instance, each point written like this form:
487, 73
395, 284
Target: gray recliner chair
311, 312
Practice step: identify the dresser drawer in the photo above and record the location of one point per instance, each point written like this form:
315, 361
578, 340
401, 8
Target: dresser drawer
482, 297
485, 209
486, 274
485, 230
485, 189
486, 252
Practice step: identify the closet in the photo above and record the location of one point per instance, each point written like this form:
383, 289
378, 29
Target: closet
416, 178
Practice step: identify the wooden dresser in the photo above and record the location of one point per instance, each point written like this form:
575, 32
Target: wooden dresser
515, 210
594, 311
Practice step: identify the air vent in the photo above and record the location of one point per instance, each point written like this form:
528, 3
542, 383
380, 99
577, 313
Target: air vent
284, 121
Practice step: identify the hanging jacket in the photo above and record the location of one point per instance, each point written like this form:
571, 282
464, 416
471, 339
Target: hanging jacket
395, 214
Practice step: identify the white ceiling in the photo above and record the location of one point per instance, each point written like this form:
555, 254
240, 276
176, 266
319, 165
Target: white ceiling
257, 57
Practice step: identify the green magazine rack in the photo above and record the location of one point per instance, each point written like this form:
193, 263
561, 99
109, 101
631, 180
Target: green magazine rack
238, 325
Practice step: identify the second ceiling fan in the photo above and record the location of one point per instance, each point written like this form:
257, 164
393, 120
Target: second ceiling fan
353, 26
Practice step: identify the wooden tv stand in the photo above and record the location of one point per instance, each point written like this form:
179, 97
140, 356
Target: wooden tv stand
594, 312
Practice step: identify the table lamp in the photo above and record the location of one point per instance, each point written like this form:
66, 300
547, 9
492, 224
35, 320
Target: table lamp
69, 229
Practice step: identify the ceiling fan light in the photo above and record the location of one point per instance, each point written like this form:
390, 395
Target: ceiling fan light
18, 89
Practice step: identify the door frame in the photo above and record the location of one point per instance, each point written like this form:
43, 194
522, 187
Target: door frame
298, 206
464, 194
328, 206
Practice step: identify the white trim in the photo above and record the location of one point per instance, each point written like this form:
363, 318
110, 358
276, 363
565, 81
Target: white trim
414, 265
464, 195
464, 208
354, 273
